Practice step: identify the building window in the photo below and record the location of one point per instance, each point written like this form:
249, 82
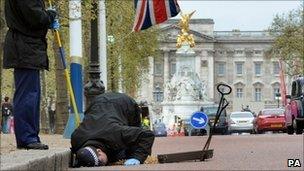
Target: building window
239, 93
258, 68
158, 94
158, 69
257, 52
204, 63
173, 68
276, 68
275, 91
239, 52
221, 69
258, 94
239, 68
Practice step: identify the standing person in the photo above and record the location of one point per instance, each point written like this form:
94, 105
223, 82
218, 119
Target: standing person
7, 111
52, 112
111, 131
146, 123
25, 50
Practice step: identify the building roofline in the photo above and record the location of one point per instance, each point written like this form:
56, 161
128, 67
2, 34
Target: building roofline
172, 26
193, 21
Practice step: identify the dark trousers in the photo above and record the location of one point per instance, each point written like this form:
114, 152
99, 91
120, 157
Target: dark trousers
4, 124
26, 106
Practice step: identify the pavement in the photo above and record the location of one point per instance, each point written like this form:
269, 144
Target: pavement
52, 159
231, 152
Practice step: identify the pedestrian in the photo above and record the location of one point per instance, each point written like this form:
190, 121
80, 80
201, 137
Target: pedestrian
111, 131
7, 112
52, 112
146, 123
25, 50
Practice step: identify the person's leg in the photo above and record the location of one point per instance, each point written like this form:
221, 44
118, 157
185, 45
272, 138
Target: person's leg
37, 105
52, 121
27, 107
4, 125
8, 124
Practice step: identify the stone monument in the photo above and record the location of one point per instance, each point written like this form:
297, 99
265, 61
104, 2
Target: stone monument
185, 93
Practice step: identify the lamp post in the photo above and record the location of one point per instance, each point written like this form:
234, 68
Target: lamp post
94, 86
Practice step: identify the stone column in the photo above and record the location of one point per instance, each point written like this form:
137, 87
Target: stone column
166, 66
198, 64
151, 78
210, 81
250, 78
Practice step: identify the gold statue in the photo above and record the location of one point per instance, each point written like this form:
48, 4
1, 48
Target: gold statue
184, 36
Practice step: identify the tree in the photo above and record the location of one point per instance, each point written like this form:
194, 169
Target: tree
128, 53
289, 42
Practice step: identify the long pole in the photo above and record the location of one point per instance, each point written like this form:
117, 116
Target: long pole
95, 86
68, 79
76, 51
103, 42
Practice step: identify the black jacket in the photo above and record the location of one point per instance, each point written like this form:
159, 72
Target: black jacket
25, 43
112, 123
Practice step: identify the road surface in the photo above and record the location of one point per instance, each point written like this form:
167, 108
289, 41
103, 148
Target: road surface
231, 152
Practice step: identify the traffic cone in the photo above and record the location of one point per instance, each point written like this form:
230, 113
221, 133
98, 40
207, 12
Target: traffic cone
171, 131
175, 132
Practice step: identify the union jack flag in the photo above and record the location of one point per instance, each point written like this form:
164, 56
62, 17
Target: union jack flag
152, 12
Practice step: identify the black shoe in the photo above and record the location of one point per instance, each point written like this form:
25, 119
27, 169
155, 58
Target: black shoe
34, 146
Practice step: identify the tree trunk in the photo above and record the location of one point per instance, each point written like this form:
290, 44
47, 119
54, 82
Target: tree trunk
62, 102
43, 107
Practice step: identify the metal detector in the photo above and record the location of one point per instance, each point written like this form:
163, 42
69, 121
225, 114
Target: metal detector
205, 153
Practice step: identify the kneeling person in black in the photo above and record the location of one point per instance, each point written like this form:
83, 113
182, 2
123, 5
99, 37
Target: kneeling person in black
111, 131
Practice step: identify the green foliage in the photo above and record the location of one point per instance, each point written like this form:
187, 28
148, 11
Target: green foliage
128, 53
289, 44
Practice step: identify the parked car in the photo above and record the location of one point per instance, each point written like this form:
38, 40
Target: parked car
198, 132
270, 120
294, 110
240, 122
222, 126
160, 130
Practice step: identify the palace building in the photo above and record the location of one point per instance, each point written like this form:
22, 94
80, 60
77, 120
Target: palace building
237, 58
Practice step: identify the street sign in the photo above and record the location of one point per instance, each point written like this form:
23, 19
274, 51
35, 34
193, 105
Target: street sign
199, 120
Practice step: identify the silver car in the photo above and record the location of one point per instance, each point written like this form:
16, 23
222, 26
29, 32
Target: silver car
240, 122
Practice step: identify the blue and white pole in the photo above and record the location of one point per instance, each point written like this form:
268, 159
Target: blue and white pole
76, 63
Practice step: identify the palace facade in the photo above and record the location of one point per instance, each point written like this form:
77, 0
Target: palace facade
237, 58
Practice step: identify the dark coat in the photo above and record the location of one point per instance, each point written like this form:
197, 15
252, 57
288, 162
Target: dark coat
112, 123
25, 43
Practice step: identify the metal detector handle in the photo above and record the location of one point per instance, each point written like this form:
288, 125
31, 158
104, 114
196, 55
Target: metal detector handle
222, 105
224, 85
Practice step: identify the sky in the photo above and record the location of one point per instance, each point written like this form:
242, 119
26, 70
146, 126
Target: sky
243, 15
